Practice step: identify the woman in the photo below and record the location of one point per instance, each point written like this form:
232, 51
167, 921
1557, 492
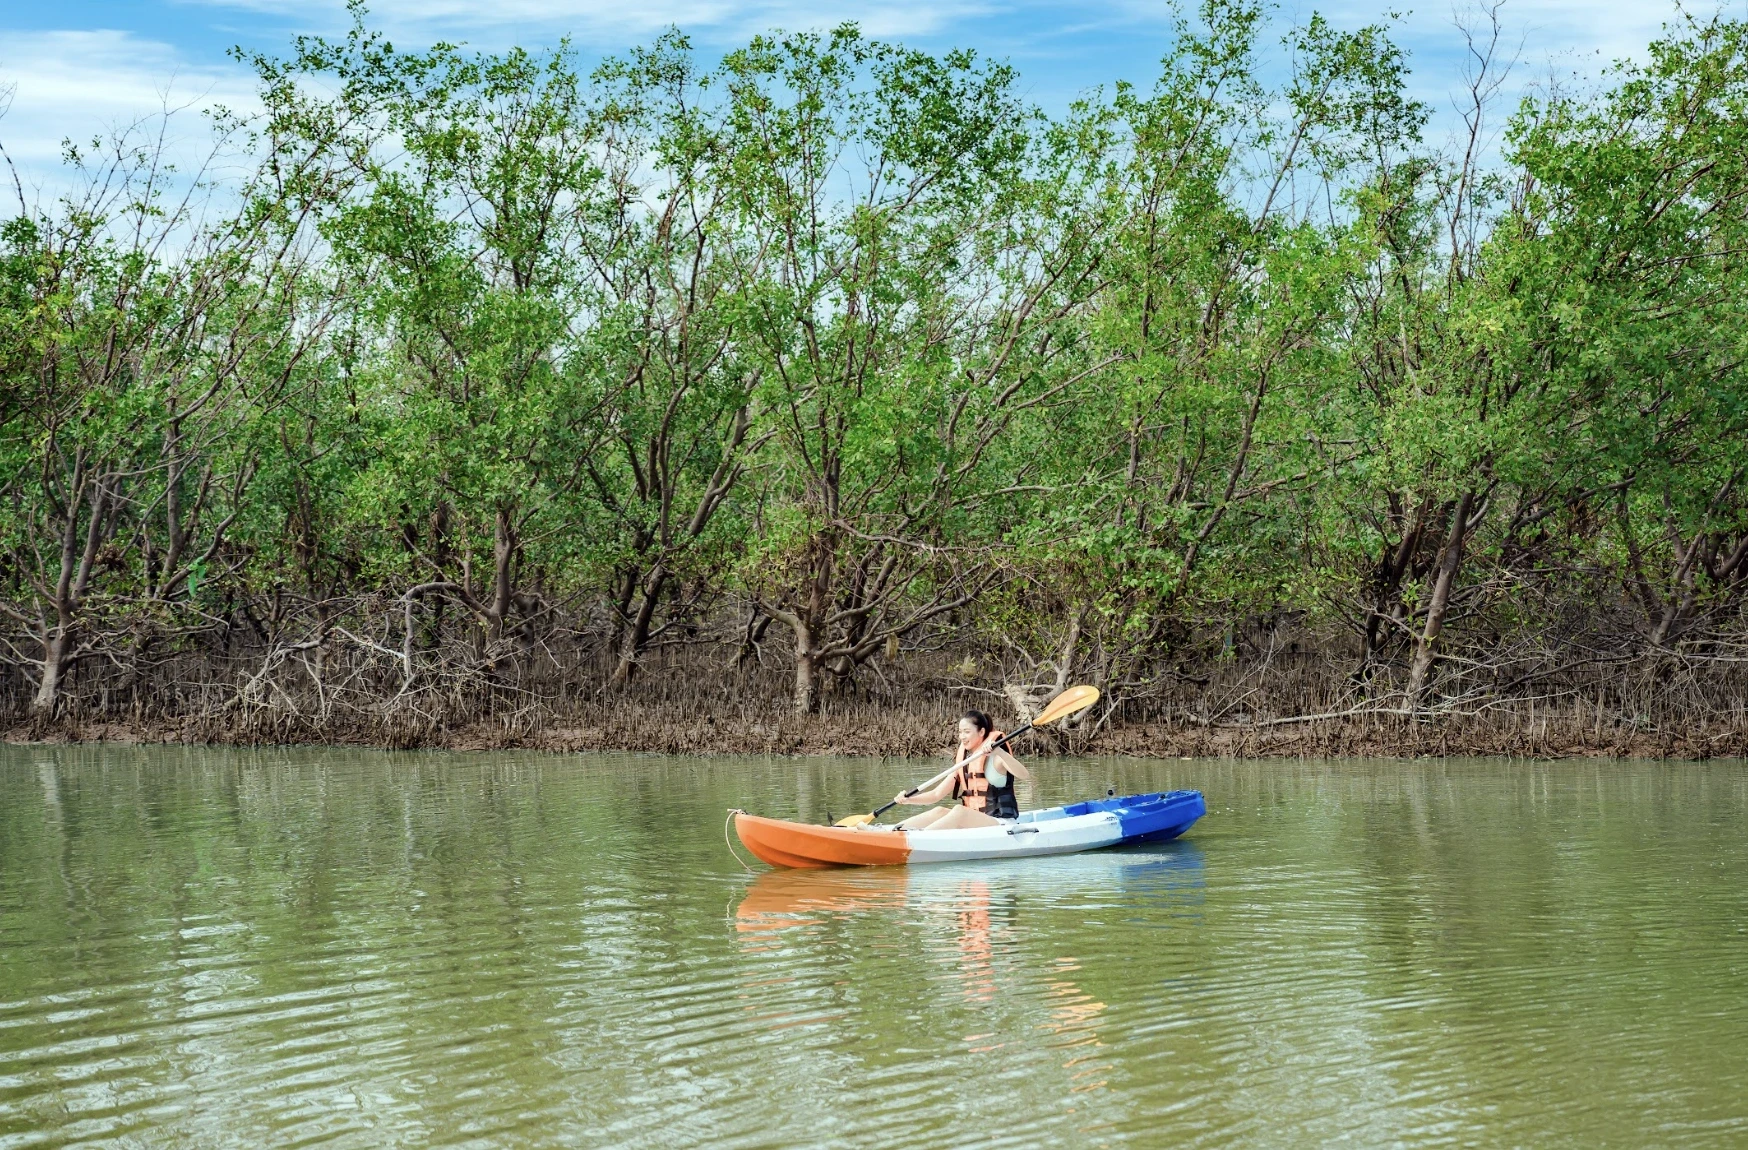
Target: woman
982, 782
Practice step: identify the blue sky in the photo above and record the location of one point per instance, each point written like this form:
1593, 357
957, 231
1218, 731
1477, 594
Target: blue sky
77, 67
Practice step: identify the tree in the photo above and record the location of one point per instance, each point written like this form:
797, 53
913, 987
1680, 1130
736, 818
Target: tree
475, 191
899, 328
143, 333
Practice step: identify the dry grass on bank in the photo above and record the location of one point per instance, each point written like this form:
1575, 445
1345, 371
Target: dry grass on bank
1291, 696
923, 727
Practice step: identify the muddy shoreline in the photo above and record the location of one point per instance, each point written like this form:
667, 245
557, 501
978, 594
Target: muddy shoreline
915, 735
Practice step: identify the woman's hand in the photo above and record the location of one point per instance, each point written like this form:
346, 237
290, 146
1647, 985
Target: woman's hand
901, 798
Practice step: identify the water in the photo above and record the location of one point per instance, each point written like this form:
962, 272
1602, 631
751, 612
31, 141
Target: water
210, 948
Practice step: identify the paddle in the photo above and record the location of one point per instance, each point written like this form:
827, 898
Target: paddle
1071, 702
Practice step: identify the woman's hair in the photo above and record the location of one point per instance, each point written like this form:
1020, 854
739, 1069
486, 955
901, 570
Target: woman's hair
980, 720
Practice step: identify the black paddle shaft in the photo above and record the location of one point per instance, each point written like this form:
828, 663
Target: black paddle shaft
996, 746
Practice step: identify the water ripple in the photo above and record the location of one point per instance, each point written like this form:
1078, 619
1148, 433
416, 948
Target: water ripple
326, 948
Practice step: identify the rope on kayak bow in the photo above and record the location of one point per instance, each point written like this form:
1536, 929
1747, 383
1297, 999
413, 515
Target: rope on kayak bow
733, 811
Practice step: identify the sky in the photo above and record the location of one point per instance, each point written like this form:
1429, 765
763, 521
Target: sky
76, 68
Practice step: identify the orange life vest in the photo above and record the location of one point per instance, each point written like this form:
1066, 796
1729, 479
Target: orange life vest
971, 786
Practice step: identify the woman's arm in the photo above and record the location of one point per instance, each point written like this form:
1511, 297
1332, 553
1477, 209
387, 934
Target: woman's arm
1005, 762
1011, 765
929, 797
941, 790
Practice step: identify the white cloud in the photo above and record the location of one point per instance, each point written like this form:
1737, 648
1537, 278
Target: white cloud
1539, 41
501, 21
1591, 31
79, 84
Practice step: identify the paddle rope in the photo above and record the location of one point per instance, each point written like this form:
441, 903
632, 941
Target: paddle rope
733, 811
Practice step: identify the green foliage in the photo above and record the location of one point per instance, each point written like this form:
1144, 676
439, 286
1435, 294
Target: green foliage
847, 335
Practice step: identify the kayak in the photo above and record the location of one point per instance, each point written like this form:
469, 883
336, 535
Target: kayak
1085, 826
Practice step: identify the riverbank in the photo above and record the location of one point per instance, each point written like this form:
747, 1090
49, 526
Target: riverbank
1282, 690
921, 731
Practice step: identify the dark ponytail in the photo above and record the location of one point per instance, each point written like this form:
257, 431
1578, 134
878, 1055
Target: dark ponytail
980, 720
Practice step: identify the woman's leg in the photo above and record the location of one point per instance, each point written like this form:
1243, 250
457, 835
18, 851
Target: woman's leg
927, 819
959, 818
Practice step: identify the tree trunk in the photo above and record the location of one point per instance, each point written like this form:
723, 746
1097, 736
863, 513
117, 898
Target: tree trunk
1070, 648
806, 675
1680, 597
1386, 606
54, 660
70, 588
1449, 560
809, 622
503, 552
636, 633
1382, 612
757, 623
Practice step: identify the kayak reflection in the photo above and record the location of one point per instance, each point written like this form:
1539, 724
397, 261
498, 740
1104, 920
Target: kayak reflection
1001, 940
1168, 879
785, 898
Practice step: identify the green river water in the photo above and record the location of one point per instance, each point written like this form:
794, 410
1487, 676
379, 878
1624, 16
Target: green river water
205, 947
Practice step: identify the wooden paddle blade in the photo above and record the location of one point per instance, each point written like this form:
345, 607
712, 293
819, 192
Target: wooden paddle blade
854, 821
1071, 702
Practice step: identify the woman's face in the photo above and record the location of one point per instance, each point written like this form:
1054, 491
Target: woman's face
969, 734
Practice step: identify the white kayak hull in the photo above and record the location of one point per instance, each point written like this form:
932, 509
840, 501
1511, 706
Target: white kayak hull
1156, 817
